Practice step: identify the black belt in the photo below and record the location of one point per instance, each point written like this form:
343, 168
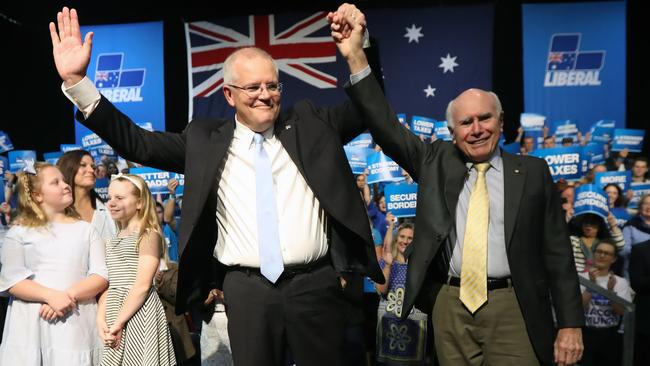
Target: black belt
493, 283
289, 271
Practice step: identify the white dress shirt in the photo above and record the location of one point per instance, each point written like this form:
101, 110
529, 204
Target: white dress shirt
302, 223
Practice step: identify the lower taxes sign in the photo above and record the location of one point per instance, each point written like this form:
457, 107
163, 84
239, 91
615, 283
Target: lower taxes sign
563, 162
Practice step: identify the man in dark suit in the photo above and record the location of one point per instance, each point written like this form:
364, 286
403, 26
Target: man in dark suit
518, 261
640, 282
279, 245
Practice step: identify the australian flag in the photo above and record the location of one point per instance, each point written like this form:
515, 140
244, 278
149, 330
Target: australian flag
427, 59
300, 43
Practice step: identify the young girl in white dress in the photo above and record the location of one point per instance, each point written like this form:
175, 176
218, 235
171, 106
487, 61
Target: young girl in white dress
52, 268
131, 318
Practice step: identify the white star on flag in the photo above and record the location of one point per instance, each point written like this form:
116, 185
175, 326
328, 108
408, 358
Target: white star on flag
429, 91
413, 34
448, 63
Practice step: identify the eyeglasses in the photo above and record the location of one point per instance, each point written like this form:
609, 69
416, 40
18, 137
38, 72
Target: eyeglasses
603, 253
253, 90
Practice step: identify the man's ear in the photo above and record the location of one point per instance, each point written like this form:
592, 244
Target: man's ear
230, 98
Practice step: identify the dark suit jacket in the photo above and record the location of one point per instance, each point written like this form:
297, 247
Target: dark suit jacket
640, 282
537, 242
313, 138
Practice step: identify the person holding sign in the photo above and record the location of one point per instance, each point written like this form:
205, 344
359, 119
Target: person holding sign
394, 265
589, 229
270, 207
603, 343
492, 243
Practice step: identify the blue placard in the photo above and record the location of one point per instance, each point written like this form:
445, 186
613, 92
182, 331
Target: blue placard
590, 199
442, 131
127, 67
638, 191
17, 158
101, 187
401, 199
622, 179
4, 165
157, 179
564, 162
513, 148
422, 126
564, 128
363, 140
594, 154
602, 131
401, 117
52, 157
70, 147
381, 168
574, 59
5, 142
621, 215
628, 139
357, 156
90, 141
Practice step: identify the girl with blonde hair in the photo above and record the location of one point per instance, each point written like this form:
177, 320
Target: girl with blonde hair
52, 269
131, 318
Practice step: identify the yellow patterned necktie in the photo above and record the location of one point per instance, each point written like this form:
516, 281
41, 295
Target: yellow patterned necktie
473, 275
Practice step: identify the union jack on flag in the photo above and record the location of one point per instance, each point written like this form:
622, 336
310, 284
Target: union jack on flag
301, 45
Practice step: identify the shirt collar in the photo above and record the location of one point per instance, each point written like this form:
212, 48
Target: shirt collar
245, 134
496, 161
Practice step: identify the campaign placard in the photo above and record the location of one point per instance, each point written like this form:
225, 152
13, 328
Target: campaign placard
17, 159
157, 179
563, 162
52, 157
101, 187
5, 142
564, 128
602, 131
593, 153
442, 131
363, 140
4, 165
422, 126
70, 147
622, 179
625, 138
401, 199
589, 198
638, 190
381, 168
357, 156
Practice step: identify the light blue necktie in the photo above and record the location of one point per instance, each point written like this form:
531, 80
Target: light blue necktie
271, 264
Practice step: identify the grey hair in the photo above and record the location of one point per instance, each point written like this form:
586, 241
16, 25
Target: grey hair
450, 106
229, 75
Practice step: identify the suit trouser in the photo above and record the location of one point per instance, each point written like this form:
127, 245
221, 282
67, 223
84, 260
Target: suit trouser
303, 314
494, 335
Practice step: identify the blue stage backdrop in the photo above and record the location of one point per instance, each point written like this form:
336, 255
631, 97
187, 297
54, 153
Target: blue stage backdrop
127, 66
426, 57
574, 61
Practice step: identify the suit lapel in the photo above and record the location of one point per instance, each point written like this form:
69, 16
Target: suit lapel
287, 132
514, 176
455, 173
214, 154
